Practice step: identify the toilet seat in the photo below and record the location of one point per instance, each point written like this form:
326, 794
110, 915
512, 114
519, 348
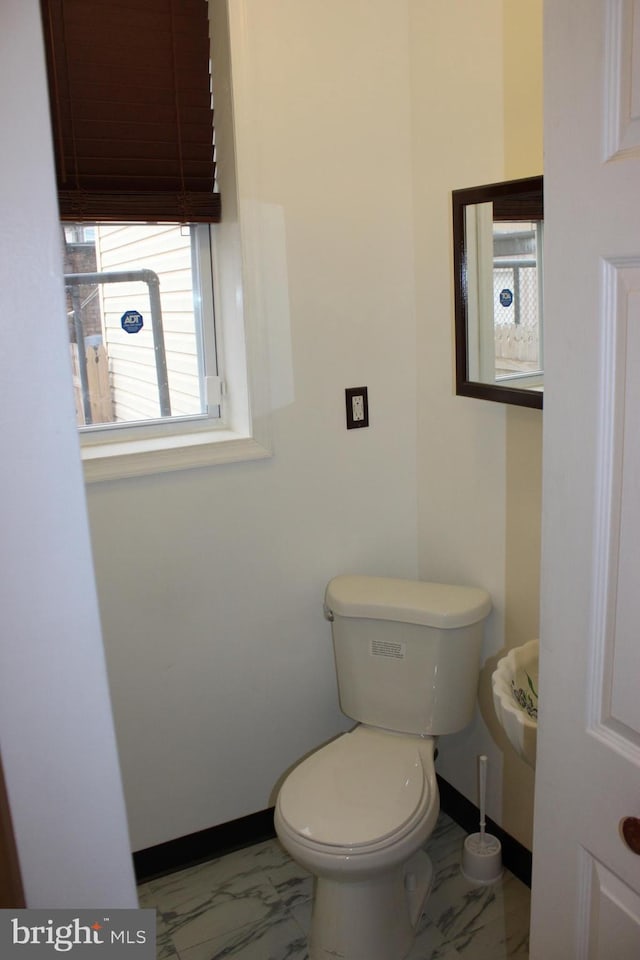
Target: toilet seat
363, 791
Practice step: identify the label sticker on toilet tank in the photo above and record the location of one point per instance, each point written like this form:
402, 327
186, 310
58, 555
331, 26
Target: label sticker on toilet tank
385, 648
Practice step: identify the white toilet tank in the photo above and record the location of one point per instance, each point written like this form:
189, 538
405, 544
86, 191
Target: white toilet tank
407, 652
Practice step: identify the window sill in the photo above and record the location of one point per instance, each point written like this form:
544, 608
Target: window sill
141, 457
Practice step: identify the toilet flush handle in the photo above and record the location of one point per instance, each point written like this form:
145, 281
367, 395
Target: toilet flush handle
328, 613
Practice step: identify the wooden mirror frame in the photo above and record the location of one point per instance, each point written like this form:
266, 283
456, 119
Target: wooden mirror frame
512, 200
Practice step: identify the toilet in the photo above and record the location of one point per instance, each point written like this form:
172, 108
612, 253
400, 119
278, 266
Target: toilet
357, 812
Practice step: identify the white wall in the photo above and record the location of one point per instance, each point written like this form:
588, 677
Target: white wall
459, 139
211, 581
56, 732
477, 108
522, 78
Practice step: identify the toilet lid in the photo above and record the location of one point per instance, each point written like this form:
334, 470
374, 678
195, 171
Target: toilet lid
359, 789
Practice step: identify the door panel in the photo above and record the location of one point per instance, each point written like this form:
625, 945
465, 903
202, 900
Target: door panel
612, 917
617, 598
622, 78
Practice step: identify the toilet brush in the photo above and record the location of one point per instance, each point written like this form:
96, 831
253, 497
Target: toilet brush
482, 852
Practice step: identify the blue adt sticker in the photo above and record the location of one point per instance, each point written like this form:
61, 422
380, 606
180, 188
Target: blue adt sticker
506, 297
131, 321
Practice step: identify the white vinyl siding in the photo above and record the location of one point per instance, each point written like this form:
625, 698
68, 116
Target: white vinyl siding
165, 249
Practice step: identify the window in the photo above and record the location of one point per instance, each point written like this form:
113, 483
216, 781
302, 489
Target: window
139, 309
144, 245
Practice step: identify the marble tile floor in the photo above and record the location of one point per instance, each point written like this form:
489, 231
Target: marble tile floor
255, 904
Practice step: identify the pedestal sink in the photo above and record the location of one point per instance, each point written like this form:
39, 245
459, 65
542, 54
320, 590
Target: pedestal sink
515, 697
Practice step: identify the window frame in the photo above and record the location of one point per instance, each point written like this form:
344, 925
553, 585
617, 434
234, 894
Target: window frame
107, 281
242, 432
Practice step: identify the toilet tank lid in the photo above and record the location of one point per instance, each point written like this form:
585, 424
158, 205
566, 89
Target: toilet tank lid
407, 601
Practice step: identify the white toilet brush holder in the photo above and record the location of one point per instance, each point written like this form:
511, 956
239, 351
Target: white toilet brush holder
482, 852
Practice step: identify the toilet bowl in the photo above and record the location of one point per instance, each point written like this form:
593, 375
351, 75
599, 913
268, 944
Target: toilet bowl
357, 812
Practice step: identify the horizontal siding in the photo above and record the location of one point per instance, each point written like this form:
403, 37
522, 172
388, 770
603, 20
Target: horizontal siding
165, 250
182, 363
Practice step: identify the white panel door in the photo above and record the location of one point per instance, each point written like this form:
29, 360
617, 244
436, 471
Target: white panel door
586, 879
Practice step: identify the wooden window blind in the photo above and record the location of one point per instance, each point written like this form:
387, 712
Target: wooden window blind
130, 97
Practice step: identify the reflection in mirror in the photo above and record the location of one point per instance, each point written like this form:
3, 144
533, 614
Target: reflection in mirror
498, 236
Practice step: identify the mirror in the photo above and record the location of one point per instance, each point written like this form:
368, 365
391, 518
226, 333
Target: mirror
497, 257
